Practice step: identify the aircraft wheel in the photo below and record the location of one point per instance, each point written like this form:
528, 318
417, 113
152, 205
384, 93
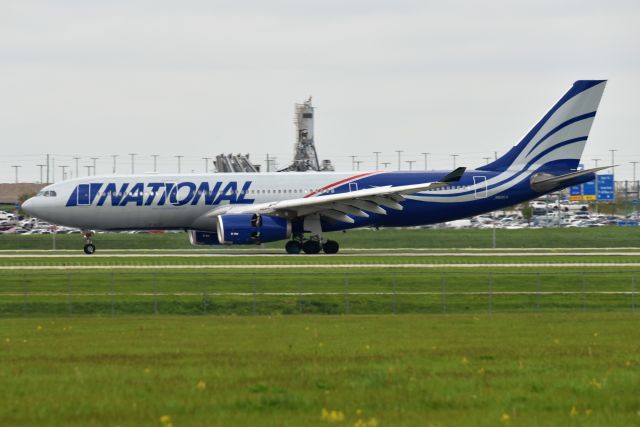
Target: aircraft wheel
292, 247
89, 248
330, 247
311, 247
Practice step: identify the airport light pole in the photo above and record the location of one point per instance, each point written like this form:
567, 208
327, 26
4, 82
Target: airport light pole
386, 164
399, 158
114, 156
353, 162
377, 153
635, 188
88, 169
358, 162
425, 160
41, 168
410, 162
455, 156
16, 167
179, 163
94, 164
206, 164
133, 166
613, 162
155, 162
77, 167
64, 171
486, 159
596, 186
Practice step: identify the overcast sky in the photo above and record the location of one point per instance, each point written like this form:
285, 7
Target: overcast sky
197, 78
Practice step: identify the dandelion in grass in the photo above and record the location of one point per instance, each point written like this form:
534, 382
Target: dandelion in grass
465, 361
588, 412
331, 416
505, 418
201, 385
371, 422
573, 411
166, 420
595, 384
481, 371
39, 327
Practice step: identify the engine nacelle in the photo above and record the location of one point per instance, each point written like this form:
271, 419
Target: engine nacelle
199, 238
246, 229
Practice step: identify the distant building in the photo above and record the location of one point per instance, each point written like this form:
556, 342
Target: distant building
10, 193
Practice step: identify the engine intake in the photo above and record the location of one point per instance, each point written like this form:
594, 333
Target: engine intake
246, 229
200, 238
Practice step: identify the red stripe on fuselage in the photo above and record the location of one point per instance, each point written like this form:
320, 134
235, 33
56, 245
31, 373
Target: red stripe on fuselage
351, 178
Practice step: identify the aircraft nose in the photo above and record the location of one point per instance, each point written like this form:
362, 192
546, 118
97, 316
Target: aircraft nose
28, 206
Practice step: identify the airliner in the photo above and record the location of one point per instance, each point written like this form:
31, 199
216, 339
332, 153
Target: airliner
299, 207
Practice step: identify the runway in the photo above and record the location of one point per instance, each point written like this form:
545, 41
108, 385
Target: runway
321, 266
305, 256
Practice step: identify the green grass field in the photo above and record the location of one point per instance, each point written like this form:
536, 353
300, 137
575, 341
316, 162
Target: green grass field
135, 341
384, 238
438, 370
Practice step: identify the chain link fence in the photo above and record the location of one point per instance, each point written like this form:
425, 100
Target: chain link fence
114, 293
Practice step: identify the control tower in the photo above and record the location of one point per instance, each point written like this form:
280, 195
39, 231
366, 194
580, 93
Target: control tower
305, 157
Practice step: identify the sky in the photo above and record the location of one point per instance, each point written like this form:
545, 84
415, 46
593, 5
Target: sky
198, 78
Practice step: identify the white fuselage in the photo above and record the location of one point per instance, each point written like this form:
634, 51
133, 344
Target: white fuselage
138, 202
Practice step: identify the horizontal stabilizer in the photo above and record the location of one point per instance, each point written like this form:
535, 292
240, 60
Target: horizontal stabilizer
454, 176
543, 182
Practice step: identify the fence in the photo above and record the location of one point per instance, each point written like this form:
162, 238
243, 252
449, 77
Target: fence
112, 293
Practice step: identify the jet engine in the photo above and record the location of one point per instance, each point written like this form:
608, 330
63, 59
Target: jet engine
199, 238
245, 229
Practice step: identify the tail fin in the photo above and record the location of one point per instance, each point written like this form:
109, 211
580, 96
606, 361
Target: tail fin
556, 142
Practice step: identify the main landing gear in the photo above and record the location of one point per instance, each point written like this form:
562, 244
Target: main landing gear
89, 247
311, 246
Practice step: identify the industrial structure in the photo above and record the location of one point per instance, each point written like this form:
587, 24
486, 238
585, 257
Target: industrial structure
227, 163
305, 156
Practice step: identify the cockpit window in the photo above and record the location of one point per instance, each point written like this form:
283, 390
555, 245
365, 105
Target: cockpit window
48, 193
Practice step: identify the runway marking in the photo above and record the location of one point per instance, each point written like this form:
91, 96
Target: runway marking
258, 251
319, 266
372, 293
294, 257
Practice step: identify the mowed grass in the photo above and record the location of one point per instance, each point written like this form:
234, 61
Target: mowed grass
526, 369
610, 236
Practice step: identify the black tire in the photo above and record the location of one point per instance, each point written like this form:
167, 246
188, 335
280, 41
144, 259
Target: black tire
311, 247
292, 247
331, 247
89, 248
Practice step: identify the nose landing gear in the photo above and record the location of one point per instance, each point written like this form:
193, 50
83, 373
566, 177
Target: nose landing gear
89, 247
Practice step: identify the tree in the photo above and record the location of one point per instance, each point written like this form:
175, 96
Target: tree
527, 212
